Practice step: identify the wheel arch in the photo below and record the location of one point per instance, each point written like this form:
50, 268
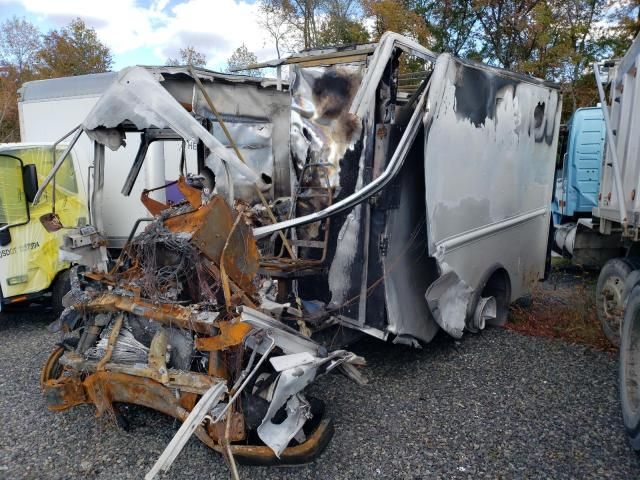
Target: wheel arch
495, 282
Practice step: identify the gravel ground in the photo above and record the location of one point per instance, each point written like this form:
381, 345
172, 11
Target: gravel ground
495, 405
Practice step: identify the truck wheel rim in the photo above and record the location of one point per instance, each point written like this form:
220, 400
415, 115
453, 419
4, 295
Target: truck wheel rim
612, 307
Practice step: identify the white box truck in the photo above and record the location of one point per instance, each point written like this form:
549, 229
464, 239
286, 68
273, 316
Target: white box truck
48, 109
30, 267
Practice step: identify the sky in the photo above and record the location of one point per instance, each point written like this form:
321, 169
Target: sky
147, 32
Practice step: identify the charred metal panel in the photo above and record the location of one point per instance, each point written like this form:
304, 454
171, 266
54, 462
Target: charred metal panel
258, 120
408, 269
489, 158
324, 132
254, 138
322, 129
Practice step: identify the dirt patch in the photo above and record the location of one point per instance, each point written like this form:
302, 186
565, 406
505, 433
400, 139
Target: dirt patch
562, 307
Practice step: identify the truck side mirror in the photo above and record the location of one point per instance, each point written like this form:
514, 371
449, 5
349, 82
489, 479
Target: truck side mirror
14, 209
30, 181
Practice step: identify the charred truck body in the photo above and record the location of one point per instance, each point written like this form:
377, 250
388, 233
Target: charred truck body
353, 200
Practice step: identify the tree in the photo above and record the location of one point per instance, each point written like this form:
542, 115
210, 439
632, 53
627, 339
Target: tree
188, 56
340, 24
397, 16
302, 16
451, 24
273, 19
9, 124
506, 30
73, 50
240, 58
553, 39
20, 42
625, 15
579, 44
314, 23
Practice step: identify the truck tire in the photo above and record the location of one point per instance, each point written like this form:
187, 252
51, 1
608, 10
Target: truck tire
61, 285
610, 297
630, 368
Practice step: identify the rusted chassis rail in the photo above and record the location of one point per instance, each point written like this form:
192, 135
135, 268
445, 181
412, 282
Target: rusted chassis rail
104, 388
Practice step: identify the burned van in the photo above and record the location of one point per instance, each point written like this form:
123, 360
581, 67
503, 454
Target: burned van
379, 190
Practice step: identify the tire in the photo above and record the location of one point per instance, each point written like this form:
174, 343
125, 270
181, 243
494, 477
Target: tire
61, 285
630, 368
610, 297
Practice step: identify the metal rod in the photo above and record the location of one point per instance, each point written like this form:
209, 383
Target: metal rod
129, 238
246, 377
53, 155
612, 149
227, 445
308, 57
53, 185
209, 400
98, 186
58, 164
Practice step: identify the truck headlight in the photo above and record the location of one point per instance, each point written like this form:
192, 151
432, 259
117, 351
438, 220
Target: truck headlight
18, 280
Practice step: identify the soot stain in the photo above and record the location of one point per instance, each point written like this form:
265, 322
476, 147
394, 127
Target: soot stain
476, 93
332, 92
476, 99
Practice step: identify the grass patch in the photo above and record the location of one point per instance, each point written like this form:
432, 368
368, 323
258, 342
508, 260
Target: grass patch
563, 307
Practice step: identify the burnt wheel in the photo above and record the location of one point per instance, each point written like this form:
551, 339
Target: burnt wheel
630, 368
610, 297
52, 369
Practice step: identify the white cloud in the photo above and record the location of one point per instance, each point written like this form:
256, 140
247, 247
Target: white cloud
215, 28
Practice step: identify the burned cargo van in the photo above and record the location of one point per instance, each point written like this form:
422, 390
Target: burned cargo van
381, 190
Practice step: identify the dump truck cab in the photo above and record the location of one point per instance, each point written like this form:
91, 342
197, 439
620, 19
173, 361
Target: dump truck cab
29, 262
578, 176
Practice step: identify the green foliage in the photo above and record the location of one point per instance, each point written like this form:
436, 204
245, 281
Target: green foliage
397, 16
241, 58
314, 23
451, 24
340, 25
342, 31
26, 54
73, 50
625, 17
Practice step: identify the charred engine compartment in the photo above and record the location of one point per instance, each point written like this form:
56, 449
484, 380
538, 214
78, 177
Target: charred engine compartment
174, 319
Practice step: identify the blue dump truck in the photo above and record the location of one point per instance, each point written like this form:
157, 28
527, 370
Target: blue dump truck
596, 209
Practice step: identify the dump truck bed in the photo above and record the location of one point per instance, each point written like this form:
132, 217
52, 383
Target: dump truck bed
625, 120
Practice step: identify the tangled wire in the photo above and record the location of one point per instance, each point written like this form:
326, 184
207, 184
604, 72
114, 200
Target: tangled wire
171, 268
